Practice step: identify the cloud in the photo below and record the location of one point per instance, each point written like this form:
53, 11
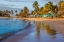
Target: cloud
7, 5
20, 0
9, 8
55, 1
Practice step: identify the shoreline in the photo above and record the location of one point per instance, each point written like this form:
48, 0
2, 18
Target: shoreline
53, 23
57, 24
42, 19
8, 34
35, 19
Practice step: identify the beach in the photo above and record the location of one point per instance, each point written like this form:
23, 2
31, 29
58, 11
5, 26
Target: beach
56, 23
35, 34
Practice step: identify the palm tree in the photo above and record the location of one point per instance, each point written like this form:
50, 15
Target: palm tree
36, 7
1, 13
41, 10
12, 12
16, 11
32, 12
21, 13
48, 6
25, 11
61, 7
6, 11
55, 10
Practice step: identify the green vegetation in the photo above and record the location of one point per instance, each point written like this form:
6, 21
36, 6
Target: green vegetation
57, 10
24, 13
6, 13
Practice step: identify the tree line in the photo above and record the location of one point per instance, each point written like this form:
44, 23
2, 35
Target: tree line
7, 13
49, 7
57, 10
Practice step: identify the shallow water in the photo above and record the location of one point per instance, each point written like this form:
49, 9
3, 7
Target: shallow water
9, 25
47, 34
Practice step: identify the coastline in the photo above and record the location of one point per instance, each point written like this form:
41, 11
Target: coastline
52, 22
20, 36
56, 23
2, 37
26, 35
42, 19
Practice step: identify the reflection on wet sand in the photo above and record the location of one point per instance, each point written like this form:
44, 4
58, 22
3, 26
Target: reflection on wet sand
49, 30
38, 29
46, 28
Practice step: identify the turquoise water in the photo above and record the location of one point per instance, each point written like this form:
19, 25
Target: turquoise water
9, 25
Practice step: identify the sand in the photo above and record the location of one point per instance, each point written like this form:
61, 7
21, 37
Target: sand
56, 23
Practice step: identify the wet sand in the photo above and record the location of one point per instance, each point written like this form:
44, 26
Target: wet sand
57, 25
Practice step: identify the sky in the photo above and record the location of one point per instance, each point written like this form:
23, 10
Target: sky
19, 4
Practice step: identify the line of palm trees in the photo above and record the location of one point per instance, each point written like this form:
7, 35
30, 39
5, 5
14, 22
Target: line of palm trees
57, 10
7, 13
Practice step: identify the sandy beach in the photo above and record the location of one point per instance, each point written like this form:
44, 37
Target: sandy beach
29, 34
43, 19
56, 23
